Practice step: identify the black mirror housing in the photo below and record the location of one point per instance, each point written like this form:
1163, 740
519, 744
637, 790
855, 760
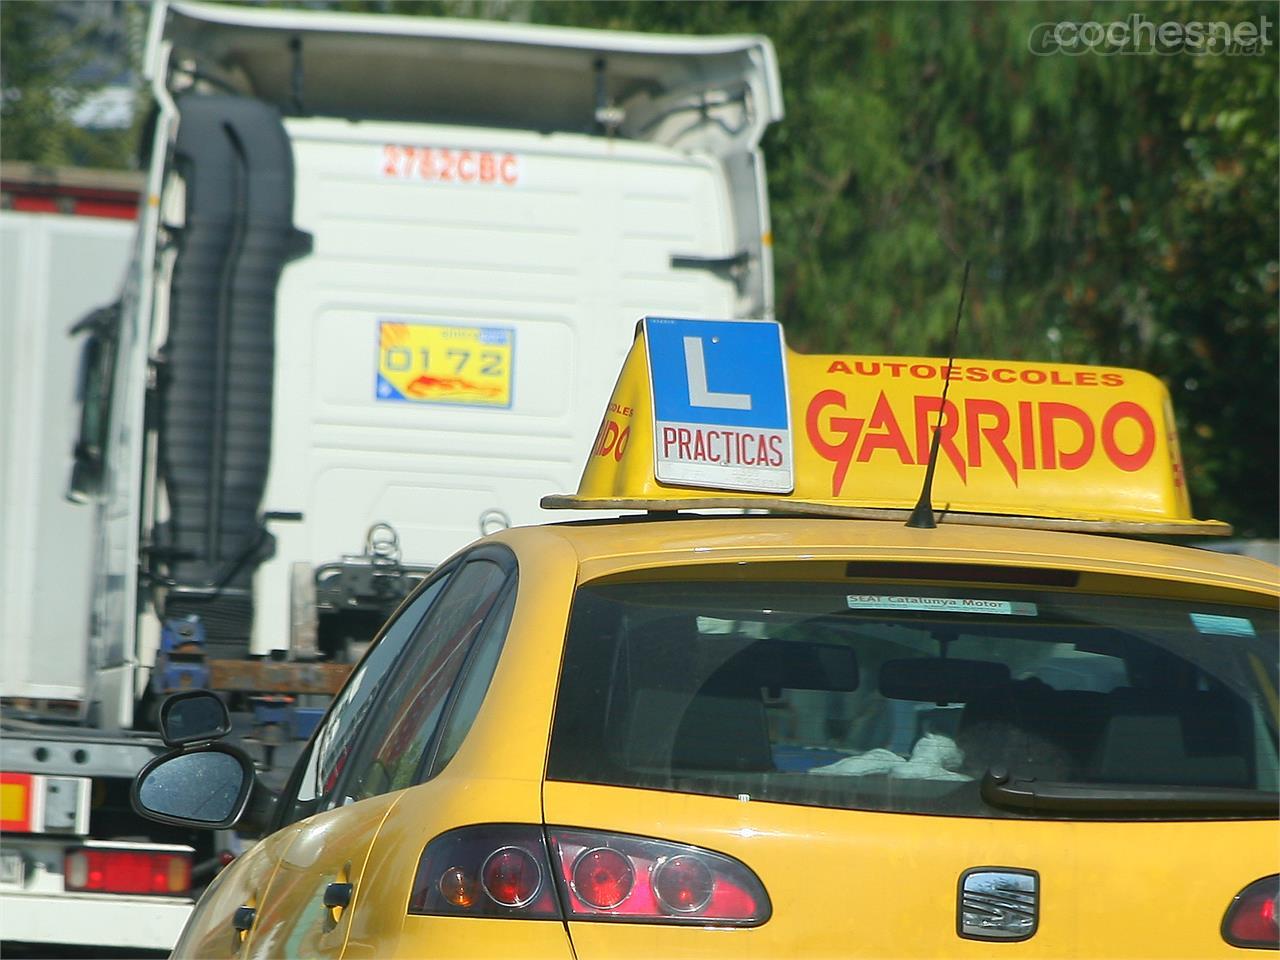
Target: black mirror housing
207, 788
193, 716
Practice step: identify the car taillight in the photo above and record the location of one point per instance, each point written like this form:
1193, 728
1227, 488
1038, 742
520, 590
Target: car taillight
683, 884
492, 870
514, 870
108, 870
673, 882
1253, 919
511, 876
602, 877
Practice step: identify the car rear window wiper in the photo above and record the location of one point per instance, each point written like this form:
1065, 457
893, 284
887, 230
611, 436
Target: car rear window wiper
1001, 789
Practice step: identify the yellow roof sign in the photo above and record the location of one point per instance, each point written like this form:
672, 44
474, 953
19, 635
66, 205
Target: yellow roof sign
721, 414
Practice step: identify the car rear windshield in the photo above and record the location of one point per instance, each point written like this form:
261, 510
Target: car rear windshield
798, 684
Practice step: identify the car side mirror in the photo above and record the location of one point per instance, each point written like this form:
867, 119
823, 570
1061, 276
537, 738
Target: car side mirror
206, 788
194, 716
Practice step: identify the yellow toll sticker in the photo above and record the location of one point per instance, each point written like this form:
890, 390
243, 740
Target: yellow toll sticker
445, 363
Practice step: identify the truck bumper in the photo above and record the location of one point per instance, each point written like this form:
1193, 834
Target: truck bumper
106, 920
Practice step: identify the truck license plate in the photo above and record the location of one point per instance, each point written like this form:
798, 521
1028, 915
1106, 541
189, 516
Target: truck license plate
11, 867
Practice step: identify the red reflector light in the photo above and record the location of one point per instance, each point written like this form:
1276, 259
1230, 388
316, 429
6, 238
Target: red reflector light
683, 884
511, 876
108, 870
673, 882
1253, 919
603, 877
17, 796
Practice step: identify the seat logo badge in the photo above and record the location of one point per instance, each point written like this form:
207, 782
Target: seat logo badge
998, 904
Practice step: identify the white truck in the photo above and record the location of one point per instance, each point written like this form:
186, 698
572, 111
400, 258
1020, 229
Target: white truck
385, 270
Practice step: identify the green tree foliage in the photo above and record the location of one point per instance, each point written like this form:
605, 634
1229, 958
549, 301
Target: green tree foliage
1117, 209
52, 58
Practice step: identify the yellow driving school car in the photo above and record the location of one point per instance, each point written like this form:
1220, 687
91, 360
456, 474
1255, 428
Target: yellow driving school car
795, 725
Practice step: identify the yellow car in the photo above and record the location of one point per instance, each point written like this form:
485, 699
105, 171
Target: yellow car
1015, 728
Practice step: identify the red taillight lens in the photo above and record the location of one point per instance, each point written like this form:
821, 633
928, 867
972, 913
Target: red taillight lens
603, 877
683, 884
511, 876
501, 870
673, 882
108, 870
1252, 920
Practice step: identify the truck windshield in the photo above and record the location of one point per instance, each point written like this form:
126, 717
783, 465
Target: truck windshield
907, 697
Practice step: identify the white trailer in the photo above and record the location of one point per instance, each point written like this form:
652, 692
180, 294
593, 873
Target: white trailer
385, 269
56, 270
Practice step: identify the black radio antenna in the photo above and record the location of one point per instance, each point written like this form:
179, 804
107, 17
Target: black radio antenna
922, 516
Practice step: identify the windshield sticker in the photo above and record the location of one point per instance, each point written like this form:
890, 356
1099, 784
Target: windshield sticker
1221, 626
1015, 608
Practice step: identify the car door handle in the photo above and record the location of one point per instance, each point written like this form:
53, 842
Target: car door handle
242, 919
337, 895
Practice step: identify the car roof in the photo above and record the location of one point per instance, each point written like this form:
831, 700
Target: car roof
607, 546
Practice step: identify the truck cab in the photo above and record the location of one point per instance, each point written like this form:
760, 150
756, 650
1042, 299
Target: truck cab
385, 269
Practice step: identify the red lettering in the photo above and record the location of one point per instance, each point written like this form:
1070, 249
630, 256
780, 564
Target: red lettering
775, 451
872, 367
1127, 410
466, 167
1086, 378
447, 165
390, 160
608, 437
1008, 375
1025, 431
762, 452
976, 374
1056, 377
487, 167
682, 443
922, 371
507, 169
895, 368
838, 366
946, 433
1034, 376
838, 453
668, 438
951, 373
699, 445
882, 418
621, 445
1053, 413
974, 410
713, 441
1113, 380
424, 163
